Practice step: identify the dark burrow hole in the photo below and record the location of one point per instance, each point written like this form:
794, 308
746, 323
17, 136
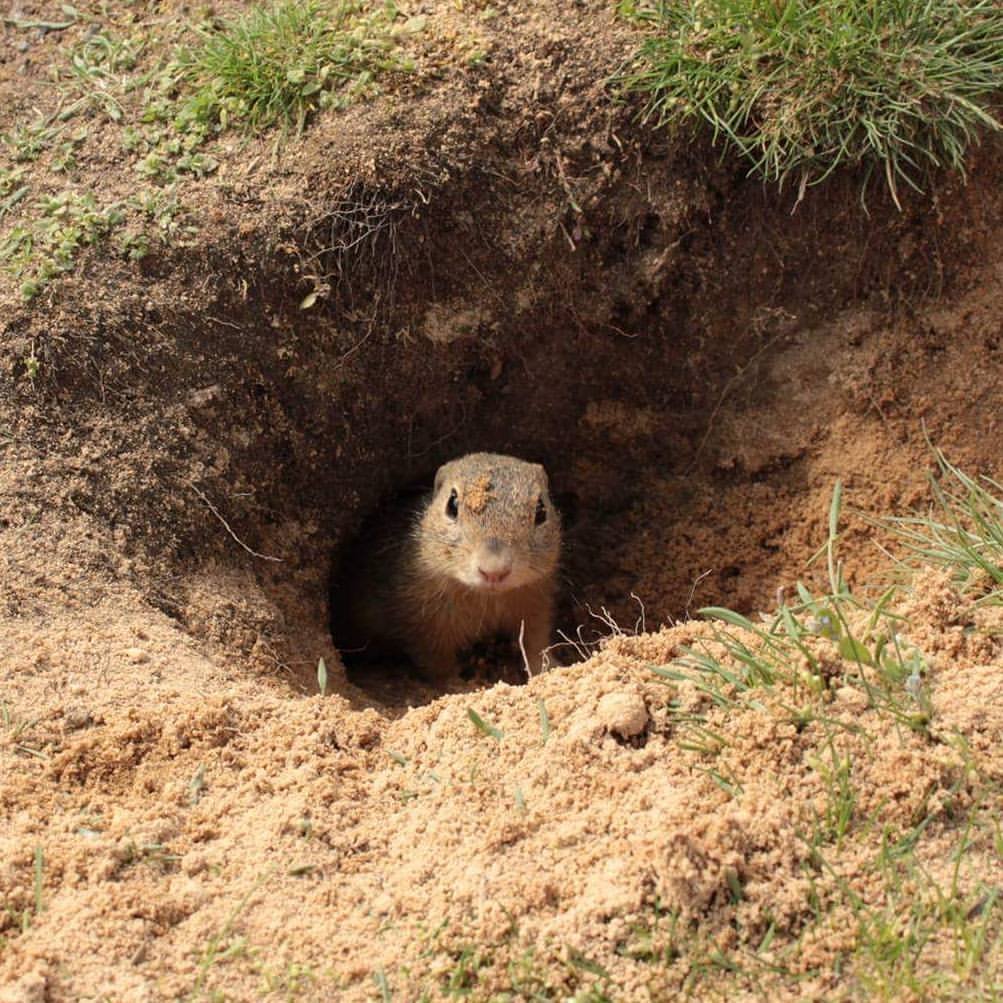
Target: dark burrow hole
678, 388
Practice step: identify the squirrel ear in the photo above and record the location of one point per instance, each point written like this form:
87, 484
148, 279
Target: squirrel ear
440, 476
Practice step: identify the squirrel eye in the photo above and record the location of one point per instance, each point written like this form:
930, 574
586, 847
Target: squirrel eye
453, 505
541, 512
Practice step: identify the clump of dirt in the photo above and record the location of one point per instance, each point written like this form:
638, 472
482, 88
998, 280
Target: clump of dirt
517, 264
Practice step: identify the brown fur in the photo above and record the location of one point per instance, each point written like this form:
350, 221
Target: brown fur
420, 586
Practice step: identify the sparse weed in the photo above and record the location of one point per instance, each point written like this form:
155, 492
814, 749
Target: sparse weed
10, 181
841, 798
963, 532
290, 981
463, 977
276, 65
484, 726
156, 855
39, 871
20, 919
914, 913
655, 940
47, 245
133, 244
544, 721
801, 89
197, 785
904, 917
64, 158
794, 654
20, 728
382, 985
27, 143
98, 75
162, 208
224, 945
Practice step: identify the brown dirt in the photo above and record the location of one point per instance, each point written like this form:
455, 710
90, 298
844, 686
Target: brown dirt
694, 365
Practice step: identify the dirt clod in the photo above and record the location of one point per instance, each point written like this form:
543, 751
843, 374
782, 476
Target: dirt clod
622, 714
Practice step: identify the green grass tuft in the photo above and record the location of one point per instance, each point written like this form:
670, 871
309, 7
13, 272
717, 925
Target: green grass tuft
99, 68
801, 88
276, 65
963, 532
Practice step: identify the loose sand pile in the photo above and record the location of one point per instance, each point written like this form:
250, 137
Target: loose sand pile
198, 833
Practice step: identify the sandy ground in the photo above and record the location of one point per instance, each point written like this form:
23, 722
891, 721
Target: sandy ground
202, 833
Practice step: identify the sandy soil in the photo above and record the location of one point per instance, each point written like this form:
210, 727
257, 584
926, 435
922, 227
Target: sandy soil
205, 832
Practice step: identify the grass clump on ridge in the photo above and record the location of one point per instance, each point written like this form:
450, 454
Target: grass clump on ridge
278, 64
801, 88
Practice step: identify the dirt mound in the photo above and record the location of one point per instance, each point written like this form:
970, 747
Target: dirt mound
210, 835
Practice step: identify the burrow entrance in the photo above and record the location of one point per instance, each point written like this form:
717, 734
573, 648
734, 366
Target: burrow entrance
694, 366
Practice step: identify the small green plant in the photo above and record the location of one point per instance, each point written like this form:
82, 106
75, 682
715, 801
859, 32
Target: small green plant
156, 855
20, 727
657, 939
224, 945
484, 726
197, 785
276, 65
803, 87
462, 979
20, 920
98, 75
12, 190
27, 143
64, 159
544, 721
963, 533
162, 208
10, 180
39, 869
292, 980
47, 245
841, 797
382, 985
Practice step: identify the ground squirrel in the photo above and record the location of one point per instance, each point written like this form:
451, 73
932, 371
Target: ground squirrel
477, 556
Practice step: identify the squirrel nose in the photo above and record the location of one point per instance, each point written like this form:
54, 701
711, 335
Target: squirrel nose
495, 577
493, 562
